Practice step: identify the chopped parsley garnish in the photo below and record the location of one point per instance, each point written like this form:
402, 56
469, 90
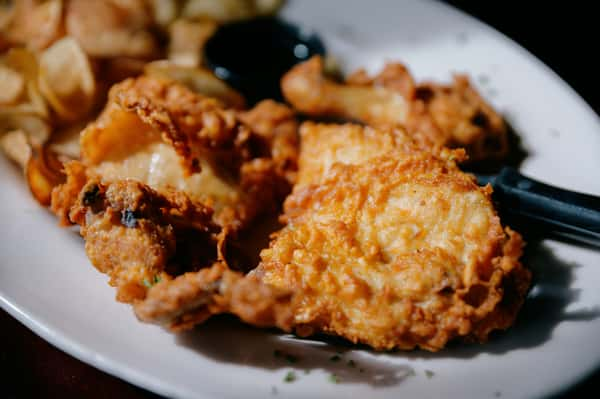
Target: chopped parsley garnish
287, 356
335, 358
290, 377
429, 373
155, 280
334, 379
306, 371
291, 358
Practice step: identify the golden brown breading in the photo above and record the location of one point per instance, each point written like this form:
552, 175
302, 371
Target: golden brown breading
324, 145
164, 254
192, 298
164, 135
445, 115
398, 252
134, 234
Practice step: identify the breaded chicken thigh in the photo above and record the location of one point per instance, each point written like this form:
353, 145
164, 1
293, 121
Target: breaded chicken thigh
402, 251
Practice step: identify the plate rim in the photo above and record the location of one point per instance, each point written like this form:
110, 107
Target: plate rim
76, 349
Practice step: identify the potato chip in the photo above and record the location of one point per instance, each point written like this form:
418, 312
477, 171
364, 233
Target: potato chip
112, 28
43, 172
16, 147
66, 79
218, 10
25, 62
12, 85
164, 11
267, 7
34, 23
199, 80
187, 41
36, 128
7, 14
229, 10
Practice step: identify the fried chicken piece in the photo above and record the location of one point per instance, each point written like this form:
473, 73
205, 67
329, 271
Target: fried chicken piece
446, 115
402, 251
134, 234
164, 254
241, 163
192, 298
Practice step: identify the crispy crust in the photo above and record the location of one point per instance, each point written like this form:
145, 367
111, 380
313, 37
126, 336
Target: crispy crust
452, 115
400, 252
192, 298
249, 157
134, 234
164, 254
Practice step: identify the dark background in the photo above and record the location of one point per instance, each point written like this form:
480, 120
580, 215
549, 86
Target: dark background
563, 35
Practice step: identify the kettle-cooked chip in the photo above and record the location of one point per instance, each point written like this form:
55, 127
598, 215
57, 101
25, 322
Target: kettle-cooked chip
229, 10
66, 79
164, 11
36, 128
112, 28
12, 85
34, 23
187, 41
199, 80
16, 147
25, 63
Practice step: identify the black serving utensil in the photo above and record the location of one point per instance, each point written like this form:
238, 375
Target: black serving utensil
253, 55
539, 207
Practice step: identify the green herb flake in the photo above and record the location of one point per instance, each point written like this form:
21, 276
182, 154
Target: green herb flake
306, 371
335, 358
291, 358
334, 379
289, 377
483, 79
157, 279
146, 283
429, 373
351, 363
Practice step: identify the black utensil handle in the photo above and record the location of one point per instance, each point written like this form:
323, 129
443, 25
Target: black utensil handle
567, 213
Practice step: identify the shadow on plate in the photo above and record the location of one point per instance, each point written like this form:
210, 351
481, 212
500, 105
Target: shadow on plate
515, 157
227, 340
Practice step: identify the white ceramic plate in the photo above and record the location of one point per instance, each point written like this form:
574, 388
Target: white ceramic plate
47, 282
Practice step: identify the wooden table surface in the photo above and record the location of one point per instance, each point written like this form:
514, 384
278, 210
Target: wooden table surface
560, 36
